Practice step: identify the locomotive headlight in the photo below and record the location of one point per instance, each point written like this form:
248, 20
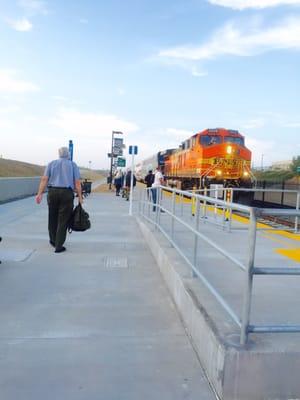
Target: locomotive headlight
229, 149
219, 172
246, 173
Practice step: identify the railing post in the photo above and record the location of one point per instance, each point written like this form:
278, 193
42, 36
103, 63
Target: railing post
197, 215
249, 278
173, 213
297, 209
181, 201
140, 201
149, 201
204, 204
159, 199
230, 211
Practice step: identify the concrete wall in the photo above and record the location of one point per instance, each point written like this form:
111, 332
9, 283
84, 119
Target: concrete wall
16, 188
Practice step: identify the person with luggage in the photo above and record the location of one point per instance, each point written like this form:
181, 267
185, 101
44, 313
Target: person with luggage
62, 177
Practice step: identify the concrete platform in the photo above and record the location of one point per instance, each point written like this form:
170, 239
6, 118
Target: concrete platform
96, 322
268, 367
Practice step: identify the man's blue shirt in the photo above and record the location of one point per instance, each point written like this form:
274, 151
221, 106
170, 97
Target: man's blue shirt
62, 173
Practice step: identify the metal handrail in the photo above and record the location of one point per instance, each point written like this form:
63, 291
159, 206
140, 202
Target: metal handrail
249, 269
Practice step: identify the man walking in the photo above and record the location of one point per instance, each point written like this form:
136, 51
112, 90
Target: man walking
149, 179
158, 181
62, 178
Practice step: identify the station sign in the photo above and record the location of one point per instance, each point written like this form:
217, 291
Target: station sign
121, 162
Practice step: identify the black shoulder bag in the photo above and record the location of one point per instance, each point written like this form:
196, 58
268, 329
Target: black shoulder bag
79, 221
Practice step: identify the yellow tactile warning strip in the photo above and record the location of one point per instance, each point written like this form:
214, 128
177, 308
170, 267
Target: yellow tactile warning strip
293, 254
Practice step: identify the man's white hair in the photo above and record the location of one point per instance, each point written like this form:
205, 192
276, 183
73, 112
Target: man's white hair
63, 152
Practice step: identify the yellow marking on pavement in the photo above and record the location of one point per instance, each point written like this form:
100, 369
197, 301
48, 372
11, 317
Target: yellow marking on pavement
293, 254
245, 220
282, 242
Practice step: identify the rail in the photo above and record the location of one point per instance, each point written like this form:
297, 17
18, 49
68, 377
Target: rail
227, 194
168, 206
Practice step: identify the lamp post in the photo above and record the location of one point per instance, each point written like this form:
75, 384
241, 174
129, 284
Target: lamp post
90, 162
262, 162
112, 154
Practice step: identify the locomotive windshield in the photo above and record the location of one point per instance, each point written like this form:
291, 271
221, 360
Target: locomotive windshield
234, 139
209, 140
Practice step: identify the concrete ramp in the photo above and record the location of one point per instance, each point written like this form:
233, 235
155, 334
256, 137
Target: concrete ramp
96, 322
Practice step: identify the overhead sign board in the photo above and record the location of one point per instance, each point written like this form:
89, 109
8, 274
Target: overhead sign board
118, 142
121, 162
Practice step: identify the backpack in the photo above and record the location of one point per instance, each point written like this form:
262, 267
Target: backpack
79, 220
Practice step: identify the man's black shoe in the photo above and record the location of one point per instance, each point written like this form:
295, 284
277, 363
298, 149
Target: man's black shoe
60, 250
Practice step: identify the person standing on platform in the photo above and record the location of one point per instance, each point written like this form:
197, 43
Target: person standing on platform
62, 177
128, 183
118, 181
149, 179
158, 181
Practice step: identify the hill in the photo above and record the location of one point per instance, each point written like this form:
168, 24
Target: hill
13, 168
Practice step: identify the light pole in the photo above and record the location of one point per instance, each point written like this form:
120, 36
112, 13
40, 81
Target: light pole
262, 162
90, 162
112, 155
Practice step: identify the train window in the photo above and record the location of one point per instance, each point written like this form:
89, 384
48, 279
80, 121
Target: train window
187, 144
209, 140
235, 140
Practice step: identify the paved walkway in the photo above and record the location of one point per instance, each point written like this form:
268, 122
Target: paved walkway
96, 322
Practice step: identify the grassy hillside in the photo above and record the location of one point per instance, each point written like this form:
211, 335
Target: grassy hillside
13, 168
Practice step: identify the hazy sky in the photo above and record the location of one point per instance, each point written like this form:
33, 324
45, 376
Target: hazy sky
158, 70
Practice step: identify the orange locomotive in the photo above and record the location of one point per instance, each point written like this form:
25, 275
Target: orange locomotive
212, 156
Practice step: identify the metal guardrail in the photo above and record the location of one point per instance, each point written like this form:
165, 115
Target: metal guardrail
228, 195
201, 204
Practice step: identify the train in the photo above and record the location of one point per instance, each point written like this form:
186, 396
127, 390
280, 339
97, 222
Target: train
213, 156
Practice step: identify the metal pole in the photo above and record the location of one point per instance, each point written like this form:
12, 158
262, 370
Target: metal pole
197, 215
249, 278
111, 159
131, 184
173, 213
156, 207
230, 211
181, 200
140, 201
205, 204
297, 209
159, 197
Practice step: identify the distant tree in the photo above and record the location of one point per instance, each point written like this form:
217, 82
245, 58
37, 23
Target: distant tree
295, 163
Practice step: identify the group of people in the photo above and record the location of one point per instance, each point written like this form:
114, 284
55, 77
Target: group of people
122, 181
153, 181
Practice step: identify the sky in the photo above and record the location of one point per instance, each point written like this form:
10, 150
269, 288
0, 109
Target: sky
157, 70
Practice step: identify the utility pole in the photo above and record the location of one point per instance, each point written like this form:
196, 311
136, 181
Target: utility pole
112, 155
90, 162
262, 162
